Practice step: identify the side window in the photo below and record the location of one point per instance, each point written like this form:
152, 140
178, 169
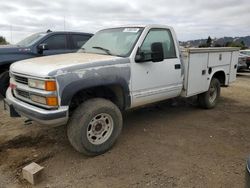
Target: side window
79, 40
56, 42
159, 35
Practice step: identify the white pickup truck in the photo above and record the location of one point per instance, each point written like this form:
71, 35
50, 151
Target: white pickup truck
117, 69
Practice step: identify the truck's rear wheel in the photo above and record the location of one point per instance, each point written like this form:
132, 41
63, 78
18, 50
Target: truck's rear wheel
210, 98
4, 83
94, 126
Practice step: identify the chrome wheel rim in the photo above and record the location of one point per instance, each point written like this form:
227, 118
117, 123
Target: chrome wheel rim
212, 93
100, 129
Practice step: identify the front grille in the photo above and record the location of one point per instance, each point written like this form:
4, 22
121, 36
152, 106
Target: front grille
23, 94
20, 79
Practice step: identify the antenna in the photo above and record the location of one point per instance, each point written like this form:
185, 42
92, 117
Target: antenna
11, 34
64, 24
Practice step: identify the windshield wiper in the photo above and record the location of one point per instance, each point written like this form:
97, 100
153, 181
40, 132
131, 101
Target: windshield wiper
103, 49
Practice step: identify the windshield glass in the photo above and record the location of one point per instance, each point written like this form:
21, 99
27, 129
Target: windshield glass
116, 41
31, 39
245, 52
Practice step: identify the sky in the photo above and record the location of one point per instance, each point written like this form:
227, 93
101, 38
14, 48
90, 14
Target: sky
191, 19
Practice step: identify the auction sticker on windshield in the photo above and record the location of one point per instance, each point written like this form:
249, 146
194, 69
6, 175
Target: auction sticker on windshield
131, 30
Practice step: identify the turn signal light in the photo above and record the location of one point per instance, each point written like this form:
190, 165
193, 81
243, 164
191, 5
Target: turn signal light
50, 85
52, 101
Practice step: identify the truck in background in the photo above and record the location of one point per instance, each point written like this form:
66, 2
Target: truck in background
36, 45
117, 69
246, 53
242, 63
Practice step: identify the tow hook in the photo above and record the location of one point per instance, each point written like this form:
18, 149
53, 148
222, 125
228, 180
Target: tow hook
28, 122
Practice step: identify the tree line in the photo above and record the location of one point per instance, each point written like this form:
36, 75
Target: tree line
209, 43
3, 41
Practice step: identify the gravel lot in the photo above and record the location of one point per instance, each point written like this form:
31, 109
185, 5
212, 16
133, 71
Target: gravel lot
162, 145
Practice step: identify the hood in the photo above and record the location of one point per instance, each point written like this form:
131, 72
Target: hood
7, 49
50, 66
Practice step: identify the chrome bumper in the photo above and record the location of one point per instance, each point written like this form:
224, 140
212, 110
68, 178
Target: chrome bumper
42, 116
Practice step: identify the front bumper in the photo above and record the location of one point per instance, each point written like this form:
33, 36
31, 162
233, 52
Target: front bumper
248, 64
42, 116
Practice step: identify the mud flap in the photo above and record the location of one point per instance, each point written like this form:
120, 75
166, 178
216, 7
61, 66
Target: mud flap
10, 108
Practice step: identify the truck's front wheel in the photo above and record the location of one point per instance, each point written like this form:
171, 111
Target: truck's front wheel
94, 126
210, 98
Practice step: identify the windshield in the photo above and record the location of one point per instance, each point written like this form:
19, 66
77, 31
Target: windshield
245, 52
116, 41
30, 40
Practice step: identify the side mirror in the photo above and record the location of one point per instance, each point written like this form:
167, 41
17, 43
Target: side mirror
140, 56
157, 52
42, 47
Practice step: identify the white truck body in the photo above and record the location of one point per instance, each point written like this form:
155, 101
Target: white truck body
186, 74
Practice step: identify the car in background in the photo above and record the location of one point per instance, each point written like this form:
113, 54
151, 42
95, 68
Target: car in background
242, 63
37, 45
247, 54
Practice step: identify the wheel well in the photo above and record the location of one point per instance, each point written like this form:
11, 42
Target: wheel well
220, 75
113, 93
4, 68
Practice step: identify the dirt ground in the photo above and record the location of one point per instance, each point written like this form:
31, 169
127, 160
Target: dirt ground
162, 145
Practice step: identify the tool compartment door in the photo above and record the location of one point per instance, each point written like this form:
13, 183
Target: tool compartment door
197, 74
233, 66
219, 59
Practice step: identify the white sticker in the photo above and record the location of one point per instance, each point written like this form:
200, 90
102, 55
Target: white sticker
131, 30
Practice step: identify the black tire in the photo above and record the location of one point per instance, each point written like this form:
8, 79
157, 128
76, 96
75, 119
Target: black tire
79, 126
247, 175
210, 98
247, 179
4, 83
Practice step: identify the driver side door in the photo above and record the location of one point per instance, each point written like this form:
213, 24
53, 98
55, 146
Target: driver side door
57, 44
156, 81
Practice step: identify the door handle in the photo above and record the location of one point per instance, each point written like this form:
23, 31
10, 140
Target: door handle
203, 72
177, 66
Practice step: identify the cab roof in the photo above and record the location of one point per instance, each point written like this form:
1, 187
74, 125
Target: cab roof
64, 32
148, 26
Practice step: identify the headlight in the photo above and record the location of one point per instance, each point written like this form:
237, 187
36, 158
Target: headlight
49, 101
41, 84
